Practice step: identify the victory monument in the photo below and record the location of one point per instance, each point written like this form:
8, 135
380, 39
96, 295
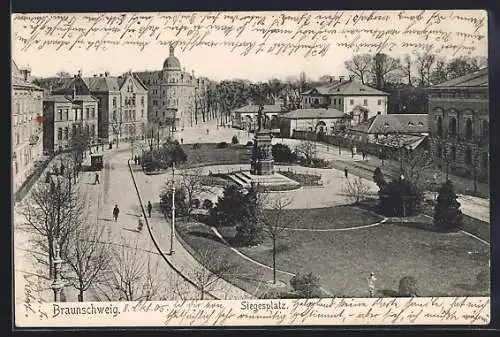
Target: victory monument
262, 162
262, 156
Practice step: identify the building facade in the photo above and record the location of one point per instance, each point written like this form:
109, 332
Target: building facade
176, 98
69, 111
245, 118
350, 96
459, 121
27, 118
123, 106
320, 120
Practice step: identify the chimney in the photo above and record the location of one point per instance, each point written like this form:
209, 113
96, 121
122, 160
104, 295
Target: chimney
100, 75
95, 75
106, 73
26, 72
79, 73
341, 78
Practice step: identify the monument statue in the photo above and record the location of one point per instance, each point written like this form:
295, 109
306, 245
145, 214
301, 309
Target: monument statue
262, 157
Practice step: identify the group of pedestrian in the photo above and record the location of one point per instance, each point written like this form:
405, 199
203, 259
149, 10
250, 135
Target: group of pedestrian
140, 225
137, 160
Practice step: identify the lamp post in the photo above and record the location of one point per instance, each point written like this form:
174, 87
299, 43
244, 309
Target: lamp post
172, 228
57, 284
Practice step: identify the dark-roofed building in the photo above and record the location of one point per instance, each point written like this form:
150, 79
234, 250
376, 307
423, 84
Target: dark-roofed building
459, 123
27, 115
245, 118
320, 120
381, 126
176, 98
123, 106
350, 96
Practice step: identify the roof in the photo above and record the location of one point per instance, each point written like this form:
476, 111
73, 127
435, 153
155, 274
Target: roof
254, 108
314, 113
84, 98
69, 99
18, 78
395, 123
347, 88
112, 83
172, 62
476, 79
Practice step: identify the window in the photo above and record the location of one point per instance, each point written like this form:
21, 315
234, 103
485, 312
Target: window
468, 156
134, 115
87, 129
59, 133
352, 102
114, 115
93, 112
163, 113
334, 101
453, 127
156, 114
59, 112
66, 133
142, 113
468, 129
73, 129
15, 167
66, 114
485, 129
92, 130
142, 101
87, 113
440, 126
365, 102
17, 138
379, 102
114, 102
365, 115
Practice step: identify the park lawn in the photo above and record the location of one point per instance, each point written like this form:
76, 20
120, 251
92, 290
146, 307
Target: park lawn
250, 276
337, 217
440, 262
208, 154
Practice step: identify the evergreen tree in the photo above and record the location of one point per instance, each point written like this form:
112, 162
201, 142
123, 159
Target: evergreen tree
447, 213
378, 178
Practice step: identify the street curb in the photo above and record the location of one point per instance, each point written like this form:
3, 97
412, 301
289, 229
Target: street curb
177, 271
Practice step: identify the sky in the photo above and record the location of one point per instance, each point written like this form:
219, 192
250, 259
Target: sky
219, 63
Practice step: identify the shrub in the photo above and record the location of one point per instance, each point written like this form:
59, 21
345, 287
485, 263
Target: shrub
283, 154
249, 143
355, 189
196, 203
222, 145
208, 204
400, 198
234, 140
378, 178
196, 146
306, 285
447, 213
408, 287
320, 163
181, 205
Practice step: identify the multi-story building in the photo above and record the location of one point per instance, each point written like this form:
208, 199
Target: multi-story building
27, 118
123, 106
176, 98
350, 96
459, 124
69, 109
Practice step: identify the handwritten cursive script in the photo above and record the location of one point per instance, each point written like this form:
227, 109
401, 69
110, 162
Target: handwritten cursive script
273, 33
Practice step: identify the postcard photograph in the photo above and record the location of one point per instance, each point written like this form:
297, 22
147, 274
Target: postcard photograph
258, 168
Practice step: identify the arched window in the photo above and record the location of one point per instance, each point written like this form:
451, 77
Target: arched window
440, 126
468, 129
468, 155
485, 129
453, 127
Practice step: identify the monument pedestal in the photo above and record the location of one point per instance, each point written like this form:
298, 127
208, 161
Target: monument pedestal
262, 156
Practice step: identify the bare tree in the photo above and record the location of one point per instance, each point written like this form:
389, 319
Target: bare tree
192, 183
360, 65
116, 126
275, 222
308, 149
355, 189
425, 62
406, 67
381, 67
87, 256
52, 212
213, 271
414, 165
130, 277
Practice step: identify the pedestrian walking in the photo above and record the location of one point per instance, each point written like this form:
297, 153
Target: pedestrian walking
363, 154
116, 212
96, 179
150, 207
346, 172
371, 284
140, 224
